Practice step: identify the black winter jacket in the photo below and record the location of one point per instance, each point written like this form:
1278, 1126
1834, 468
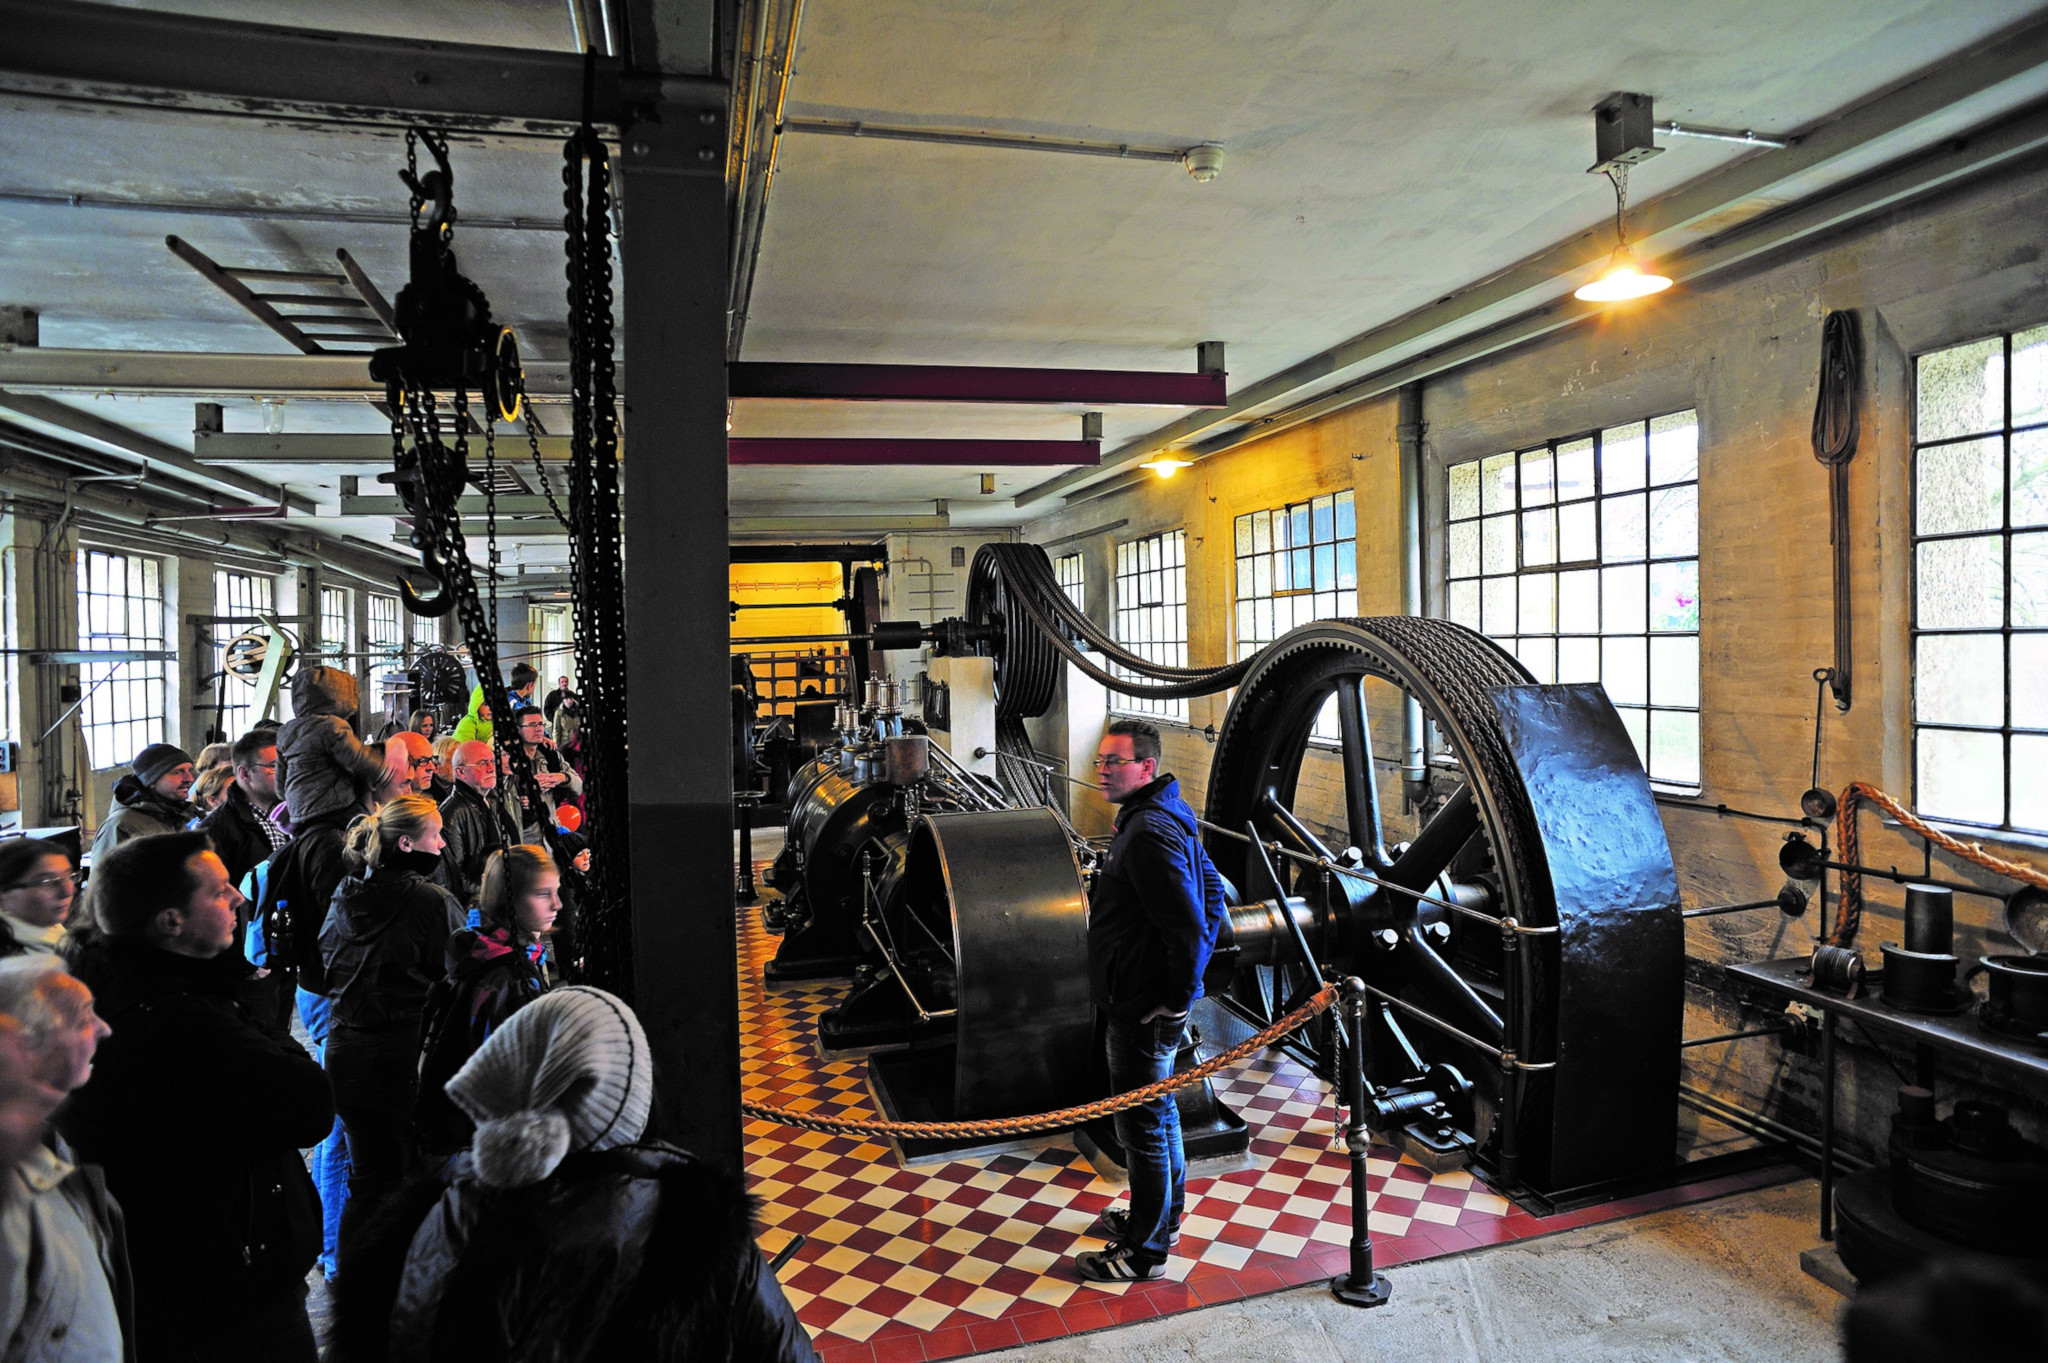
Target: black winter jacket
198, 1115
303, 878
642, 1253
385, 942
237, 833
474, 826
322, 767
1154, 910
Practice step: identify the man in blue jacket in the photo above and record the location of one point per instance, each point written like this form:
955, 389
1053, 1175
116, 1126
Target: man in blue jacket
1153, 915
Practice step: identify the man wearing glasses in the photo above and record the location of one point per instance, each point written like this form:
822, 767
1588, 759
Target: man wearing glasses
474, 823
1153, 914
240, 827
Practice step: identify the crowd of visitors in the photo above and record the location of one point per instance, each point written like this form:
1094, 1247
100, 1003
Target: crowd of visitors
455, 1127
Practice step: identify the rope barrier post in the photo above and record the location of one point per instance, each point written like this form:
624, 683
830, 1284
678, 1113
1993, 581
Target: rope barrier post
1361, 1286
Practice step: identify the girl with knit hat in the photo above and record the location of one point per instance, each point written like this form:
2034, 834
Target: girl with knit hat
562, 1235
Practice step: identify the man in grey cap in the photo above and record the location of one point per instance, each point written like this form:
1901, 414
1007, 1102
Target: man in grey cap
150, 799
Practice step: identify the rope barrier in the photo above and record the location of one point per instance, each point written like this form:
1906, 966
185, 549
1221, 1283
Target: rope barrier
1049, 1121
1860, 793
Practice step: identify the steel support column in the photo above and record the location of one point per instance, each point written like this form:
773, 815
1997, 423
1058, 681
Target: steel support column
685, 986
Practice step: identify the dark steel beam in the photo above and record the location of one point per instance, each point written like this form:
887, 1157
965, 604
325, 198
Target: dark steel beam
106, 54
920, 453
971, 383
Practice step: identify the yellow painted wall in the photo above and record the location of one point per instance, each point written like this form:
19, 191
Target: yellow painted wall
766, 584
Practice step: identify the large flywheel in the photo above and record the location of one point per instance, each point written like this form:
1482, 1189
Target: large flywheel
1533, 986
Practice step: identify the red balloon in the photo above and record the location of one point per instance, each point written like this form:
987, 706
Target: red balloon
569, 818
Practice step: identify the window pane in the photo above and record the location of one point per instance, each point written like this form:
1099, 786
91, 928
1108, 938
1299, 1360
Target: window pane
2029, 783
1539, 537
1323, 518
2030, 579
1675, 747
1578, 660
1960, 584
1961, 775
1675, 595
1538, 482
1465, 603
1575, 470
1347, 516
1622, 600
1576, 540
1949, 675
1961, 390
1674, 448
1621, 458
1675, 521
1675, 671
1347, 564
1498, 550
1262, 534
1499, 600
1623, 528
1540, 657
1961, 487
2030, 681
1464, 494
1539, 604
1624, 671
2030, 377
1497, 483
2029, 478
1578, 602
1241, 529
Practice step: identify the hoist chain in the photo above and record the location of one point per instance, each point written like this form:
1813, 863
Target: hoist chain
595, 561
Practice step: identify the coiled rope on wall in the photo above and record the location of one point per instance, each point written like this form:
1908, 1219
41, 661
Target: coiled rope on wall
1860, 793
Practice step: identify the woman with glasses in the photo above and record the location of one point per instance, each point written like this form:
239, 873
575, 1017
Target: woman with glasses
37, 886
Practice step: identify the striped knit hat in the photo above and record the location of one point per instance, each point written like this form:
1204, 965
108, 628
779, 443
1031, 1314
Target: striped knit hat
570, 1072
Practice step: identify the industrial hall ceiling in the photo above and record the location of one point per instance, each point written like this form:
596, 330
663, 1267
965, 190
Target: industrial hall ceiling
1400, 188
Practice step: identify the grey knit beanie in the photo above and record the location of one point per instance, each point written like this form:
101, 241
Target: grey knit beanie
570, 1072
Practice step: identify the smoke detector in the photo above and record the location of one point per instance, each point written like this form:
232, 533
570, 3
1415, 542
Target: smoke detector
1204, 163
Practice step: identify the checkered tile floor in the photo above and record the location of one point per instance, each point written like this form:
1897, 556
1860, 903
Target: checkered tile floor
973, 1255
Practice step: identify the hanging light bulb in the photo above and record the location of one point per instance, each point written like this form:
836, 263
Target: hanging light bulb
1167, 463
1623, 279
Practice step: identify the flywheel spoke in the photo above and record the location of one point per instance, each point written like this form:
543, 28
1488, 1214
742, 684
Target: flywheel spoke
1439, 842
1434, 974
1361, 791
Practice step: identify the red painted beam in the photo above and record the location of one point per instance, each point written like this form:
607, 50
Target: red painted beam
973, 383
930, 453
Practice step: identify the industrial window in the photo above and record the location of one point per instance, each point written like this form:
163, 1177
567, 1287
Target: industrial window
120, 607
386, 646
241, 596
1980, 582
334, 627
426, 633
1073, 579
1581, 557
1296, 563
1152, 613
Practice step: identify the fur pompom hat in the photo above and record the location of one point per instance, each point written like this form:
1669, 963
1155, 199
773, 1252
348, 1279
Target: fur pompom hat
570, 1072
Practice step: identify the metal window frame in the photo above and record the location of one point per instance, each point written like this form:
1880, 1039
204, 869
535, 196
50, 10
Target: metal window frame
148, 682
1322, 733
1071, 571
1147, 557
336, 645
1597, 564
231, 600
2005, 631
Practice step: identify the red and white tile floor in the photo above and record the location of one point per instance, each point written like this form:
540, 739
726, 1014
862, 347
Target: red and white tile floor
972, 1255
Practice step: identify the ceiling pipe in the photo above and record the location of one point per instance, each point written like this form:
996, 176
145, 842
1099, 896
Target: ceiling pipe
753, 206
1409, 429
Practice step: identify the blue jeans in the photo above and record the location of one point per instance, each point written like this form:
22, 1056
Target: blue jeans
330, 1166
1142, 1053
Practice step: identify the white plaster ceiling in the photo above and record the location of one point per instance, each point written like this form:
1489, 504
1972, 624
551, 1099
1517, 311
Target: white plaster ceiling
1378, 156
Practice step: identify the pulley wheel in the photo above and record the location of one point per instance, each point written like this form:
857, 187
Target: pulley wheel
1540, 813
863, 613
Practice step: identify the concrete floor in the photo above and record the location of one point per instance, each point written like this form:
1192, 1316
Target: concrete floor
1705, 1284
